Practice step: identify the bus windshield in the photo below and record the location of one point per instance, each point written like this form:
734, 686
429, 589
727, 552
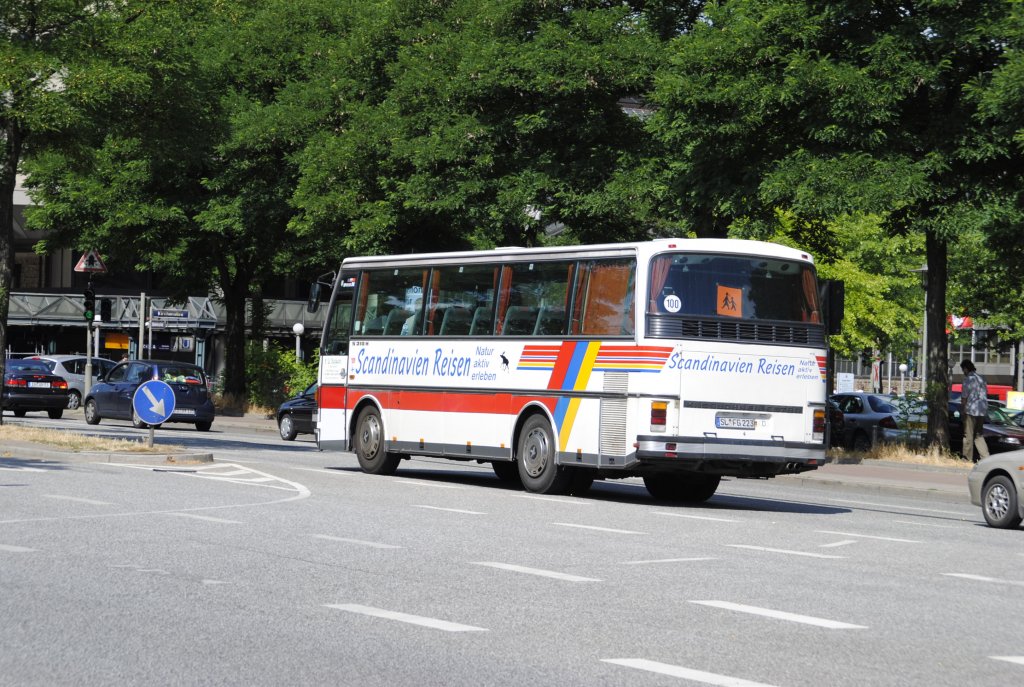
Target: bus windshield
748, 288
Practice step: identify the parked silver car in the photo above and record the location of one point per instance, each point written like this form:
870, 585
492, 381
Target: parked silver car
72, 369
869, 418
996, 485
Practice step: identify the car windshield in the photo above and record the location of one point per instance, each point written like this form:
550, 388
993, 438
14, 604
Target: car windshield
27, 366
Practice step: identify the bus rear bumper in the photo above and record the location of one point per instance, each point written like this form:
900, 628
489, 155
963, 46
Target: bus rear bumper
730, 457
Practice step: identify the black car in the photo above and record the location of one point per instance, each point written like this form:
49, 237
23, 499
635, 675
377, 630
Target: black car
999, 431
295, 416
29, 385
112, 397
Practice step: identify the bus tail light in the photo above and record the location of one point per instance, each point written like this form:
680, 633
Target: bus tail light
818, 428
659, 413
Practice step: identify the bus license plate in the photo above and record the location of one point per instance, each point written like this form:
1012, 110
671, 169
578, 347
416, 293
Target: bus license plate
735, 423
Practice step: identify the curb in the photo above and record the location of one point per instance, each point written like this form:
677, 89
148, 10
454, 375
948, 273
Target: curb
21, 449
926, 493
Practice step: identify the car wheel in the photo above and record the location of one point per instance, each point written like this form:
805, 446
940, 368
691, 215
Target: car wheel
368, 444
286, 427
535, 456
74, 400
204, 426
999, 503
137, 422
55, 413
687, 488
507, 471
92, 416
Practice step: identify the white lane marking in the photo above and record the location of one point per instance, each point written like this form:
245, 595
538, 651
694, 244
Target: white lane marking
598, 529
787, 551
845, 542
924, 524
346, 540
215, 582
230, 472
10, 548
901, 507
536, 571
329, 471
78, 499
423, 621
207, 518
1019, 660
781, 615
450, 510
553, 499
13, 468
982, 578
869, 536
685, 673
669, 560
695, 517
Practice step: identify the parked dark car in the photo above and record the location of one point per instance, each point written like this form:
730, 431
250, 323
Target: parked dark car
29, 386
871, 417
295, 416
1001, 434
112, 397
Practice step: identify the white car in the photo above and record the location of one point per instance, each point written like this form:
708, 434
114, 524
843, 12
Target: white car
997, 485
72, 369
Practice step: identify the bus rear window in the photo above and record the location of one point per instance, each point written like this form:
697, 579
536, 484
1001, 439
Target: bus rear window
732, 286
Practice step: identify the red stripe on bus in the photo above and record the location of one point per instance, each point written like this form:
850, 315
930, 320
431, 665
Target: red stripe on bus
561, 365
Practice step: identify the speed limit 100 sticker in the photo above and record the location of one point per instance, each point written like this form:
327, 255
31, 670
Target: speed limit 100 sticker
672, 303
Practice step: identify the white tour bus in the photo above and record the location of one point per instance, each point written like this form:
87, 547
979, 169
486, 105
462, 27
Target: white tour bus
676, 360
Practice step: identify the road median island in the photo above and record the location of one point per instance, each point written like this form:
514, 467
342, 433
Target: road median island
19, 442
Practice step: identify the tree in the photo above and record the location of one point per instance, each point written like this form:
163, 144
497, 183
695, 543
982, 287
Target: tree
833, 109
190, 178
474, 124
54, 67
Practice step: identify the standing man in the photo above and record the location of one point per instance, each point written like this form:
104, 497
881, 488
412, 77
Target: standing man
973, 409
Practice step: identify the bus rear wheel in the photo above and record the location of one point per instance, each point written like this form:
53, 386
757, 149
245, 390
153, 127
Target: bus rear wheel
536, 459
686, 488
368, 444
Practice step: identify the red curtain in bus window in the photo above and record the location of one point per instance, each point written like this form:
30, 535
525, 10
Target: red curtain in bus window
504, 296
364, 293
810, 297
659, 275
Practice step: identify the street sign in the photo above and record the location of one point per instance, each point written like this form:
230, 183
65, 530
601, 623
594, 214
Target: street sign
153, 402
91, 262
164, 313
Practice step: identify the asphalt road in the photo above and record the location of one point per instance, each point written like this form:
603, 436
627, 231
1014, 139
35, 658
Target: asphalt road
278, 564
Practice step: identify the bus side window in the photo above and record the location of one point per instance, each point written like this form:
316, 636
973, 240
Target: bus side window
534, 298
604, 298
463, 303
389, 301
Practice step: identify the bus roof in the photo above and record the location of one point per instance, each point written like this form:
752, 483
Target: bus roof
642, 248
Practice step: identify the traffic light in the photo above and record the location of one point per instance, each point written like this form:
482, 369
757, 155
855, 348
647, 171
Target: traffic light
106, 306
90, 304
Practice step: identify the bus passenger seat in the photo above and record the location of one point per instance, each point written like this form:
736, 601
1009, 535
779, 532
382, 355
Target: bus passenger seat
550, 321
396, 318
482, 319
519, 320
456, 320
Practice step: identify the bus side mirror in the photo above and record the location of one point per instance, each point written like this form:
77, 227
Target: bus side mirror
313, 302
833, 295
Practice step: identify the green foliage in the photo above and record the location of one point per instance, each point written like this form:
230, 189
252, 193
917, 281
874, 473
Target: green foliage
273, 375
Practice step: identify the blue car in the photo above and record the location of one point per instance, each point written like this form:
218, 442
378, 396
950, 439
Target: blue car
112, 397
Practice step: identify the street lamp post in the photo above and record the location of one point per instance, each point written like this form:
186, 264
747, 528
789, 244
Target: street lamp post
903, 372
298, 329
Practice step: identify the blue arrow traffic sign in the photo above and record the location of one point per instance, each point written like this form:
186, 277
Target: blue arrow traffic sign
153, 402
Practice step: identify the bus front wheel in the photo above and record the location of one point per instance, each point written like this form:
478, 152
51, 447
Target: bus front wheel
368, 444
536, 459
685, 488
